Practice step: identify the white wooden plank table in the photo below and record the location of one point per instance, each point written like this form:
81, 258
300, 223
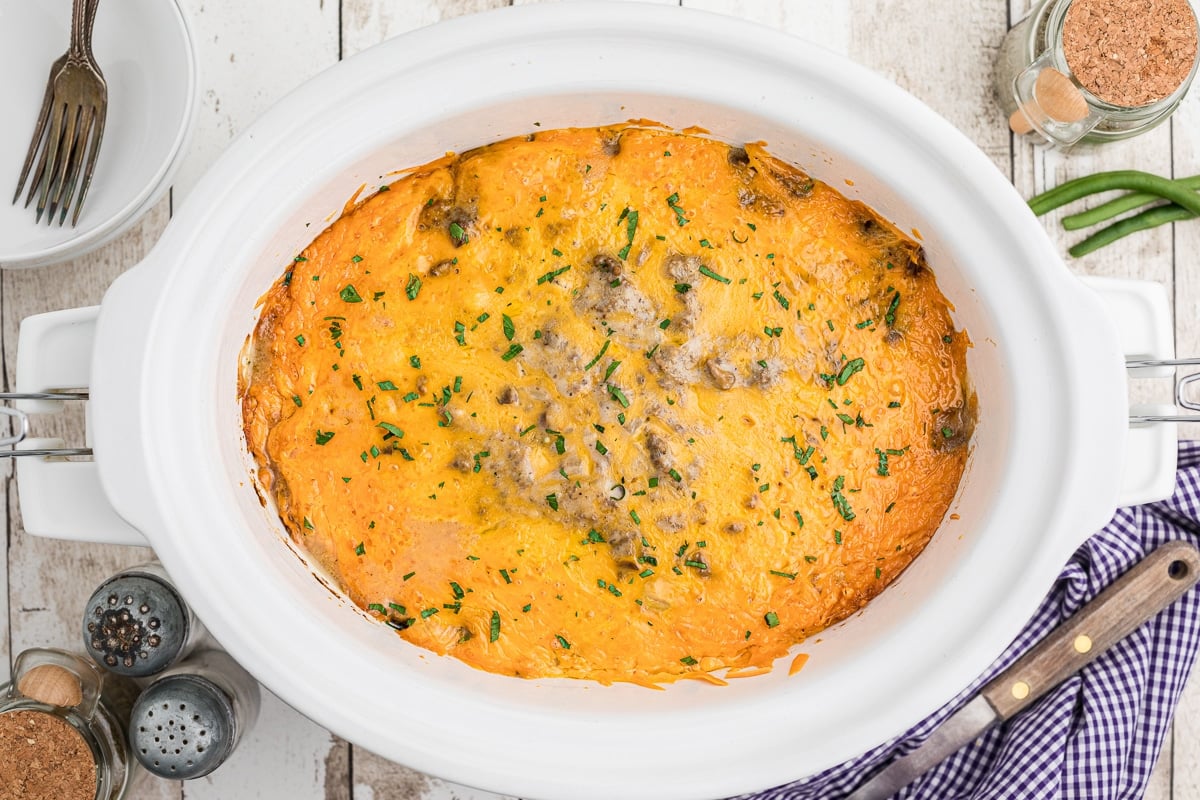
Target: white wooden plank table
251, 53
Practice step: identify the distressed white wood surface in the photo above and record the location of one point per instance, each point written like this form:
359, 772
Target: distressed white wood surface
251, 53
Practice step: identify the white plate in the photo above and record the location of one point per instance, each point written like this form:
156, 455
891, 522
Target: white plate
145, 52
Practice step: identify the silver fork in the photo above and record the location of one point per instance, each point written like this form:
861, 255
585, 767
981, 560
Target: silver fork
75, 106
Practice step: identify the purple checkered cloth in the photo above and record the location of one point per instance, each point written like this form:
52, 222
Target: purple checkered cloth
1099, 733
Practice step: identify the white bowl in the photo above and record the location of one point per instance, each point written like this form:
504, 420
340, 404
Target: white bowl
1044, 472
144, 49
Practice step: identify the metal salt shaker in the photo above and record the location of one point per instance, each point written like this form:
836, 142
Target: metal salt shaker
189, 720
136, 623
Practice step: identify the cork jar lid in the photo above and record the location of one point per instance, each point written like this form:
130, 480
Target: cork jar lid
44, 757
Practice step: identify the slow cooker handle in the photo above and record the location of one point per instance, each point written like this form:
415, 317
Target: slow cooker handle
1141, 312
60, 498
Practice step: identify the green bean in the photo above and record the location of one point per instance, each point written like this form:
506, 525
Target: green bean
1130, 180
1127, 202
1160, 215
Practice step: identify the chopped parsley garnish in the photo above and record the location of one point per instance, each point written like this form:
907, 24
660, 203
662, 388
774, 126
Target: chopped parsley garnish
947, 433
458, 235
708, 273
324, 436
300, 340
552, 501
552, 274
594, 361
386, 386
391, 429
510, 330
631, 223
296, 399
771, 618
350, 294
839, 500
413, 287
890, 316
688, 660
854, 366
683, 288
360, 550
673, 203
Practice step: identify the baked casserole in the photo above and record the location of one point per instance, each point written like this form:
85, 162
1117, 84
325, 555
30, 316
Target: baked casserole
621, 403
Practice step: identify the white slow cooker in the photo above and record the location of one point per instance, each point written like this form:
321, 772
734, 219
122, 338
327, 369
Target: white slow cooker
1052, 456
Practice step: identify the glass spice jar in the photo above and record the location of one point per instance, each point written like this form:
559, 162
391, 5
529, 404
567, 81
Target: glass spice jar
55, 684
1037, 88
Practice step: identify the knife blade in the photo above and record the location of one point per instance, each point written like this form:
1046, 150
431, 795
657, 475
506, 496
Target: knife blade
1143, 591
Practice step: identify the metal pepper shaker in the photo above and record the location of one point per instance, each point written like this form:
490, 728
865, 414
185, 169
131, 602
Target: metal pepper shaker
136, 623
190, 719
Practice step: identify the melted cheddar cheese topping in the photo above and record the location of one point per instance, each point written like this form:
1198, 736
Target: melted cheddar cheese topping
623, 404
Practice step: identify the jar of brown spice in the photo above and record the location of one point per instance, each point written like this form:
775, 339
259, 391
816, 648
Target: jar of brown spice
1097, 69
61, 736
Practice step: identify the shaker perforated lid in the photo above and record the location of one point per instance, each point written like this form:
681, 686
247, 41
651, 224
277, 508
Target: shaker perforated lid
136, 624
182, 727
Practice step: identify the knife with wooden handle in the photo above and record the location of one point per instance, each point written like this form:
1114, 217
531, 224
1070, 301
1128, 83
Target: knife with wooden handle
1147, 588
